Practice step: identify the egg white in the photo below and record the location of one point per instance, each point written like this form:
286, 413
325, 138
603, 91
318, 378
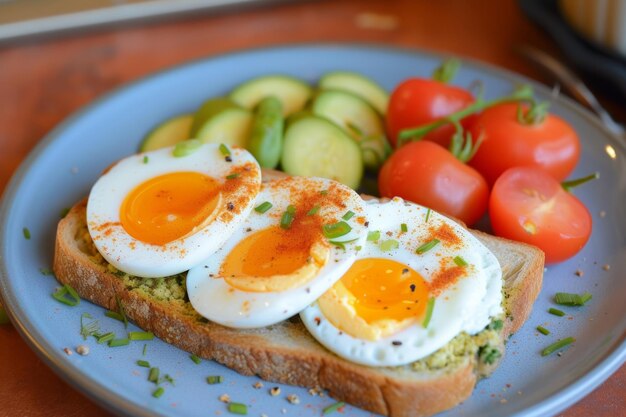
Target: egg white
466, 306
138, 258
213, 298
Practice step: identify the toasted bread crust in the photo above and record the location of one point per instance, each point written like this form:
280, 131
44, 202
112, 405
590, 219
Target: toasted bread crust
285, 352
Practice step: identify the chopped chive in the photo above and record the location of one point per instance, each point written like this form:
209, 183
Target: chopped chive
186, 147
429, 312
120, 307
333, 407
348, 215
324, 192
288, 216
107, 337
168, 378
556, 312
238, 408
404, 228
427, 215
66, 295
140, 335
145, 159
224, 150
557, 345
119, 342
263, 207
569, 299
232, 176
145, 347
214, 379
114, 315
335, 230
543, 330
153, 376
64, 212
341, 244
88, 329
26, 233
143, 363
46, 271
158, 392
358, 248
460, 261
388, 245
373, 236
427, 246
313, 210
195, 359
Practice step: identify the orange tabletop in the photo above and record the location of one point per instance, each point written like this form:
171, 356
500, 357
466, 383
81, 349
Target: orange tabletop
43, 81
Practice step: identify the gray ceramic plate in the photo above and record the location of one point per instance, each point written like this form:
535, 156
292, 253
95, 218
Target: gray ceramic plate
64, 165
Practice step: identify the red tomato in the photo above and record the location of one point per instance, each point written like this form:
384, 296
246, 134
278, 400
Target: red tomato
428, 174
528, 205
551, 144
418, 101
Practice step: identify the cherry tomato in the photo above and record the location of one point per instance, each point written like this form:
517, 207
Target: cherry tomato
528, 205
428, 174
418, 101
551, 144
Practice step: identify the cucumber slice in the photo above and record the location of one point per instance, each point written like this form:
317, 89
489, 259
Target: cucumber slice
208, 110
266, 139
314, 146
359, 85
292, 93
168, 133
357, 118
230, 127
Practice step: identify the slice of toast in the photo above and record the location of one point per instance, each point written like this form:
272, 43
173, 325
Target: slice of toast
285, 352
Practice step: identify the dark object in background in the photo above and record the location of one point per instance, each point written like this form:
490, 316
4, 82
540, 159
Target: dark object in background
600, 67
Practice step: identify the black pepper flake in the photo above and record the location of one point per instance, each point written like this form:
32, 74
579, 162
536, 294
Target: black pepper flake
340, 333
317, 321
248, 229
230, 206
211, 275
396, 343
366, 224
405, 271
227, 158
308, 291
412, 286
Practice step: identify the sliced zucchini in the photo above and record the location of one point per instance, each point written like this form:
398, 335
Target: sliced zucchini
357, 118
359, 85
208, 110
266, 138
168, 133
230, 126
292, 93
314, 146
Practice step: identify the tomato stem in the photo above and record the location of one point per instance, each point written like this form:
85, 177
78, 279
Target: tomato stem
523, 93
568, 185
535, 115
462, 145
447, 70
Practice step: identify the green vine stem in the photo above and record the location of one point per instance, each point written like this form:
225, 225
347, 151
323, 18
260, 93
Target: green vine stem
568, 185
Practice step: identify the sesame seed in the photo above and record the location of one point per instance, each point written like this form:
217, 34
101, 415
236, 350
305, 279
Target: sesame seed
225, 398
82, 350
274, 391
258, 385
293, 399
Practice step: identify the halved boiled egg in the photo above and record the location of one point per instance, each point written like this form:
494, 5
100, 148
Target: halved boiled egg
296, 244
420, 280
159, 213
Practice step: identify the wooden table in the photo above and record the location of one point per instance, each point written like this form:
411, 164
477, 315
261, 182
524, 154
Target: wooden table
44, 81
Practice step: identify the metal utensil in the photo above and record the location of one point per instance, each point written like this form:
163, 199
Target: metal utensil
574, 85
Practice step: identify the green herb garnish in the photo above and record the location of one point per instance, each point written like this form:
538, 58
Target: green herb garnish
324, 192
543, 330
232, 176
427, 246
158, 392
26, 233
46, 271
569, 299
348, 215
140, 335
119, 342
263, 207
313, 210
388, 245
459, 261
224, 150
373, 236
145, 347
341, 244
66, 295
238, 408
120, 307
88, 329
429, 312
195, 359
107, 337
489, 354
556, 312
496, 325
114, 315
214, 379
333, 407
153, 376
288, 216
335, 230
557, 345
143, 363
186, 147
404, 228
427, 215
145, 159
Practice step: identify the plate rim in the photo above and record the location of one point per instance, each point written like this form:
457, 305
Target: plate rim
107, 398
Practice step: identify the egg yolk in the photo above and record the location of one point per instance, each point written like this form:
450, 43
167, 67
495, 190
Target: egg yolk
170, 206
384, 289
